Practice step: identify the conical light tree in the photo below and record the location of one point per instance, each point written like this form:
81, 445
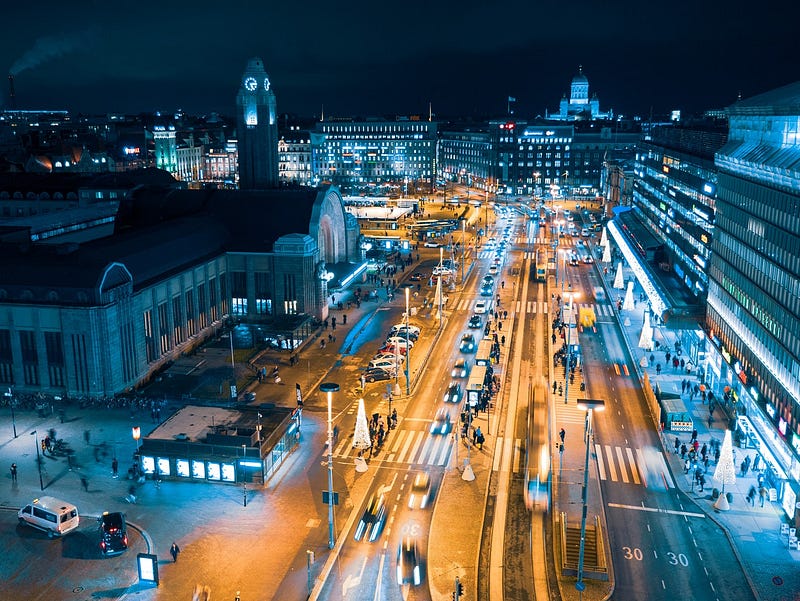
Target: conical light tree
606, 254
725, 472
627, 304
361, 439
604, 238
646, 339
437, 297
619, 279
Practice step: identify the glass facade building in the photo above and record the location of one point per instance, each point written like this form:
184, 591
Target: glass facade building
353, 154
754, 280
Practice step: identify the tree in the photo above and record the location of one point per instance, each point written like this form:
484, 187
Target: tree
725, 472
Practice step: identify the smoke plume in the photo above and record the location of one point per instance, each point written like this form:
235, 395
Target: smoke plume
49, 47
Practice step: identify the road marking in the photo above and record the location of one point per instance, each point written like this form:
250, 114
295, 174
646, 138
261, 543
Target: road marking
616, 368
642, 462
690, 514
622, 471
600, 466
611, 469
406, 446
445, 451
517, 455
632, 463
625, 368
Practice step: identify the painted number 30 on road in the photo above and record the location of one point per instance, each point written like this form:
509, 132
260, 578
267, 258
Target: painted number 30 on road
675, 559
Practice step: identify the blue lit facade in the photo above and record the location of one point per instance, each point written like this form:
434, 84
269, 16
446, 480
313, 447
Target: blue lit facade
674, 196
467, 156
754, 280
353, 154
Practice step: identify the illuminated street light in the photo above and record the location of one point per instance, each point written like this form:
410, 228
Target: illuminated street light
588, 405
408, 351
329, 388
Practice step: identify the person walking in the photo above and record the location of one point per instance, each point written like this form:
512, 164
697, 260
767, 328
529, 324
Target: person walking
13, 472
677, 445
85, 483
762, 493
561, 434
115, 467
174, 550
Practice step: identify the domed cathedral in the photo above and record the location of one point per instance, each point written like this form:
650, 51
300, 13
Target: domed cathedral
257, 129
579, 106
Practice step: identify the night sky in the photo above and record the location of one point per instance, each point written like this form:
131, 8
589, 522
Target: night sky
382, 58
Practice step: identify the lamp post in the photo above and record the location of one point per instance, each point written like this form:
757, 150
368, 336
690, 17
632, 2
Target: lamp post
408, 351
463, 244
329, 388
38, 458
244, 473
10, 396
588, 405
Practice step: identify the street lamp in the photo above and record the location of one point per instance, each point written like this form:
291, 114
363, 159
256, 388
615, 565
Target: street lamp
463, 244
588, 405
244, 475
329, 388
38, 458
10, 397
568, 339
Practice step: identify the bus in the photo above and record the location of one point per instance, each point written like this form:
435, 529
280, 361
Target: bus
484, 354
476, 384
541, 265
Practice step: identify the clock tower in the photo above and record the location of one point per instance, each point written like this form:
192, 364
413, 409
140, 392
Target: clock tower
257, 129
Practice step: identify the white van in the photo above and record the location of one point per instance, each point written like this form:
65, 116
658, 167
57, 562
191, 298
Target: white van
54, 516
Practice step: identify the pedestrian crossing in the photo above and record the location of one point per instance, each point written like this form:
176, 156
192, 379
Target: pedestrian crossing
468, 304
417, 447
645, 467
600, 310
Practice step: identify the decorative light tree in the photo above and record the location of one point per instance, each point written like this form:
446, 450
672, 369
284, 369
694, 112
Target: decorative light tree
619, 279
627, 304
725, 472
606, 254
646, 339
604, 238
361, 438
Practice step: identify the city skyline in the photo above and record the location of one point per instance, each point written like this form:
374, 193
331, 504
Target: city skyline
370, 61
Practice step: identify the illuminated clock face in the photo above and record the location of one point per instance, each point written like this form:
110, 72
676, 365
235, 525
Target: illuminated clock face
250, 83
266, 84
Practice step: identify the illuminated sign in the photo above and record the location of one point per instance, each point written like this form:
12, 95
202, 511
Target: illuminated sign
709, 189
147, 565
131, 150
770, 410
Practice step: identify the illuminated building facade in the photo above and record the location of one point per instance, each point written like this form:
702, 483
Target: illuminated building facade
166, 148
754, 281
353, 154
257, 129
674, 199
467, 156
579, 106
294, 157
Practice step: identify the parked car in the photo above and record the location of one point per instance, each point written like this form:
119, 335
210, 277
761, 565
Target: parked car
372, 520
412, 335
401, 326
113, 533
399, 341
400, 349
384, 363
431, 244
377, 374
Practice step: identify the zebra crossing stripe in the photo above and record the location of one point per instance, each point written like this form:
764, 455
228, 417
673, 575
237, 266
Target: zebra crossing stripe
420, 437
409, 441
622, 471
633, 466
611, 469
598, 450
517, 455
519, 305
642, 463
444, 452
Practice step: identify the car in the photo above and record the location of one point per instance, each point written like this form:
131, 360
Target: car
441, 270
487, 291
401, 326
480, 307
493, 270
453, 393
420, 491
497, 261
585, 232
488, 280
588, 259
441, 422
475, 322
460, 368
376, 374
467, 343
372, 520
384, 363
573, 259
416, 276
431, 244
399, 341
393, 349
113, 533
409, 570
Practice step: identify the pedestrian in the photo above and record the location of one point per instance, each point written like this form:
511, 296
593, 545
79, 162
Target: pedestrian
751, 495
762, 493
561, 434
13, 472
174, 550
86, 436
716, 455
658, 369
756, 462
85, 483
677, 444
694, 435
743, 468
115, 467
683, 451
702, 481
555, 386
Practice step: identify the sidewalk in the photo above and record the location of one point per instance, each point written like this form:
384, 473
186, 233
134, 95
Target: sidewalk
754, 532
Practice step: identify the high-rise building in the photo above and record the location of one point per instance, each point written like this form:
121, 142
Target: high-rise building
754, 282
257, 129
